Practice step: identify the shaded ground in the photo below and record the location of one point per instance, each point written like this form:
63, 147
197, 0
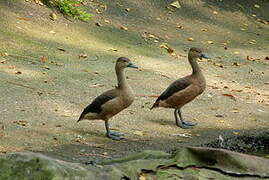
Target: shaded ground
44, 88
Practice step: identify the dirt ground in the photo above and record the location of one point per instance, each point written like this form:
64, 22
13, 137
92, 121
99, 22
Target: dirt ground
50, 70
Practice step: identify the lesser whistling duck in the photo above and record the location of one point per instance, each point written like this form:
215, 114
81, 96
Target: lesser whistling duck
112, 101
184, 90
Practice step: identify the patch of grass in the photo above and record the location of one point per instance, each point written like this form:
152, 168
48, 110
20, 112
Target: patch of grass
72, 8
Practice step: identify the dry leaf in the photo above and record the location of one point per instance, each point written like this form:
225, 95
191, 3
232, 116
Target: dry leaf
61, 49
253, 41
142, 177
127, 9
123, 28
53, 16
236, 52
3, 61
256, 6
179, 27
190, 39
138, 133
21, 122
175, 4
236, 64
230, 96
210, 42
165, 46
82, 56
43, 59
106, 21
236, 133
215, 12
18, 72
52, 32
204, 30
98, 24
112, 49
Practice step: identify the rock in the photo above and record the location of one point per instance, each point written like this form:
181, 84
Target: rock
185, 163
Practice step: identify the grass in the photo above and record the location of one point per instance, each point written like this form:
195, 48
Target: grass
71, 8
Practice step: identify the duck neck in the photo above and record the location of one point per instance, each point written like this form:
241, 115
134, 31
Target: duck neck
194, 65
121, 78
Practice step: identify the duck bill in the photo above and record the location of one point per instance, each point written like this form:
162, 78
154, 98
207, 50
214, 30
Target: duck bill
204, 56
131, 65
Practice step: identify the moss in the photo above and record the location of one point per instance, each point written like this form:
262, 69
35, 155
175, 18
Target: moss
24, 170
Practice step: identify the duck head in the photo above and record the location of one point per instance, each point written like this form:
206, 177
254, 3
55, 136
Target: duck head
124, 62
196, 53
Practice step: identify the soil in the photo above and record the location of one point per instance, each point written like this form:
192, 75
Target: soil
50, 70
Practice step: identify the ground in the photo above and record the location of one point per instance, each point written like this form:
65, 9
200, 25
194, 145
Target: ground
50, 70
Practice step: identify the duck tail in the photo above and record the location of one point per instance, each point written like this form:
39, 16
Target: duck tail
155, 105
80, 117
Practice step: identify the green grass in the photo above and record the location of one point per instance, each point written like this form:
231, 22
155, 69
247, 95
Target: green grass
72, 8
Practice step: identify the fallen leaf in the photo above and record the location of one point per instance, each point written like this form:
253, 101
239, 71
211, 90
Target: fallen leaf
253, 41
190, 39
236, 52
53, 16
256, 6
236, 133
43, 59
165, 46
18, 72
106, 21
210, 42
127, 9
215, 12
236, 64
61, 49
21, 122
141, 177
82, 56
218, 64
112, 49
98, 24
3, 61
230, 96
204, 30
138, 133
175, 4
179, 27
123, 28
52, 32
219, 115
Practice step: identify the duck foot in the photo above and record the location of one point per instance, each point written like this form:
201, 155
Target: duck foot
188, 123
112, 134
115, 136
184, 126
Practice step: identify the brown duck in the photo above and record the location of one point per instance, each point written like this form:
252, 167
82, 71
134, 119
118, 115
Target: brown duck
112, 101
184, 90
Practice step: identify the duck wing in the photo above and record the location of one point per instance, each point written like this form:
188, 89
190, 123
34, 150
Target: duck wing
95, 106
176, 86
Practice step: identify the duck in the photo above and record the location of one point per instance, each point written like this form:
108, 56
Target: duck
184, 90
112, 101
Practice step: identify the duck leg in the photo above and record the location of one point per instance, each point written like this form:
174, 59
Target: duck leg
111, 134
185, 122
